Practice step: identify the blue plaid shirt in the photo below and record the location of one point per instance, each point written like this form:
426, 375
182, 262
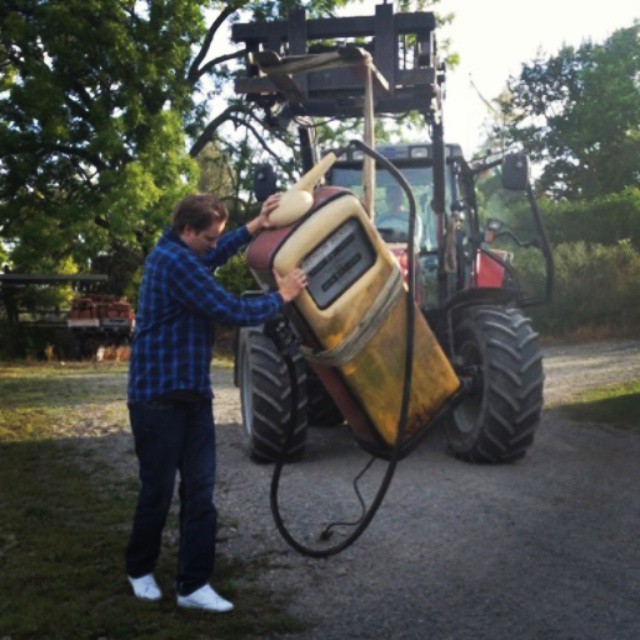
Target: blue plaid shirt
179, 302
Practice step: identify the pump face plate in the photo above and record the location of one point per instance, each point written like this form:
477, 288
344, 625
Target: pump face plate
335, 264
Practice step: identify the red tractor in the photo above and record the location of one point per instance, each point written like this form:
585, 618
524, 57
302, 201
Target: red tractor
471, 281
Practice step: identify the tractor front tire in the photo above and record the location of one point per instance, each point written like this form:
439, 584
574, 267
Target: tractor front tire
497, 420
266, 398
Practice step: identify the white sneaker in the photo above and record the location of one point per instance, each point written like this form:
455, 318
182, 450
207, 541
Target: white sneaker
145, 587
205, 598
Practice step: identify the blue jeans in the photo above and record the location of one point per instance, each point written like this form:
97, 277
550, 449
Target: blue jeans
174, 437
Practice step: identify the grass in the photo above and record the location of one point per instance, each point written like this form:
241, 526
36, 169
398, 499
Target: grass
42, 402
65, 518
617, 405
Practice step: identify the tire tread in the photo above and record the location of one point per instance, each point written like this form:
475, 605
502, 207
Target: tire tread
509, 411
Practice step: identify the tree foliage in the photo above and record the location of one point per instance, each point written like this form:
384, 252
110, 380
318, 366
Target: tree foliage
93, 109
578, 113
97, 102
595, 286
105, 106
605, 220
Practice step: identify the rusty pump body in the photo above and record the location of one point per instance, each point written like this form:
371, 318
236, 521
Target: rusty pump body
351, 319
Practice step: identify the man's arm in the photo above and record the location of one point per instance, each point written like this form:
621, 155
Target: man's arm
230, 243
195, 288
227, 246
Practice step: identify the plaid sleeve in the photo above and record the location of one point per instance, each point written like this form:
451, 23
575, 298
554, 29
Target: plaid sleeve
194, 287
228, 245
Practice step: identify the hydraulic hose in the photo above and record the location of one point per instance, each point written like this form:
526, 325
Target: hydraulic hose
406, 395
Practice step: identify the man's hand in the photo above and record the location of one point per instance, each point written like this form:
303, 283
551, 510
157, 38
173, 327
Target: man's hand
262, 221
292, 284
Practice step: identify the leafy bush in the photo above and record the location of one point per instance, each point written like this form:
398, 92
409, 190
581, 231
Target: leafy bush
235, 275
35, 343
605, 220
595, 286
530, 269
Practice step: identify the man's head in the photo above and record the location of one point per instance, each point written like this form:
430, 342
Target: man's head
199, 220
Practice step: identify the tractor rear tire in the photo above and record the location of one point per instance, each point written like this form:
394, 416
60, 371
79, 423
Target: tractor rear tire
265, 398
497, 421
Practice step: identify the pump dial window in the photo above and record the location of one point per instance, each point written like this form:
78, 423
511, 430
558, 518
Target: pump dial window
337, 262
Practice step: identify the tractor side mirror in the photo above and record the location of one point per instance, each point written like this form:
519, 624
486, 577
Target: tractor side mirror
515, 172
264, 181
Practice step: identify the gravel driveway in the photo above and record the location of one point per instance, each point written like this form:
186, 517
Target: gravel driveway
546, 548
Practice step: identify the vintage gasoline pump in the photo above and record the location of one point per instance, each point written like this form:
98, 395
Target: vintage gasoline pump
357, 322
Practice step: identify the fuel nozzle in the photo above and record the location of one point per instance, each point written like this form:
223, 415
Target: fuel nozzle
297, 200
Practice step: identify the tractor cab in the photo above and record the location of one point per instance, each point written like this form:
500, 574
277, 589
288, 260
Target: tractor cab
496, 239
391, 206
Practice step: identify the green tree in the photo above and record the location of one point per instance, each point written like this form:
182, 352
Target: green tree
93, 109
578, 113
103, 108
98, 102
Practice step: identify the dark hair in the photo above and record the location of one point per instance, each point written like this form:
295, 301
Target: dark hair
198, 211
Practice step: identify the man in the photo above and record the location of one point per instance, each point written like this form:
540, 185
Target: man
392, 220
169, 390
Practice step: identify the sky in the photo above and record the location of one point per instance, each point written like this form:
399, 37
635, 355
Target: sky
495, 37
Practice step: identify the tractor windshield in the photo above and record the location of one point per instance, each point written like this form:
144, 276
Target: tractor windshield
391, 205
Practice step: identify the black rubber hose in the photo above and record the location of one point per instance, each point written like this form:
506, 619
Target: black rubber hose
406, 395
